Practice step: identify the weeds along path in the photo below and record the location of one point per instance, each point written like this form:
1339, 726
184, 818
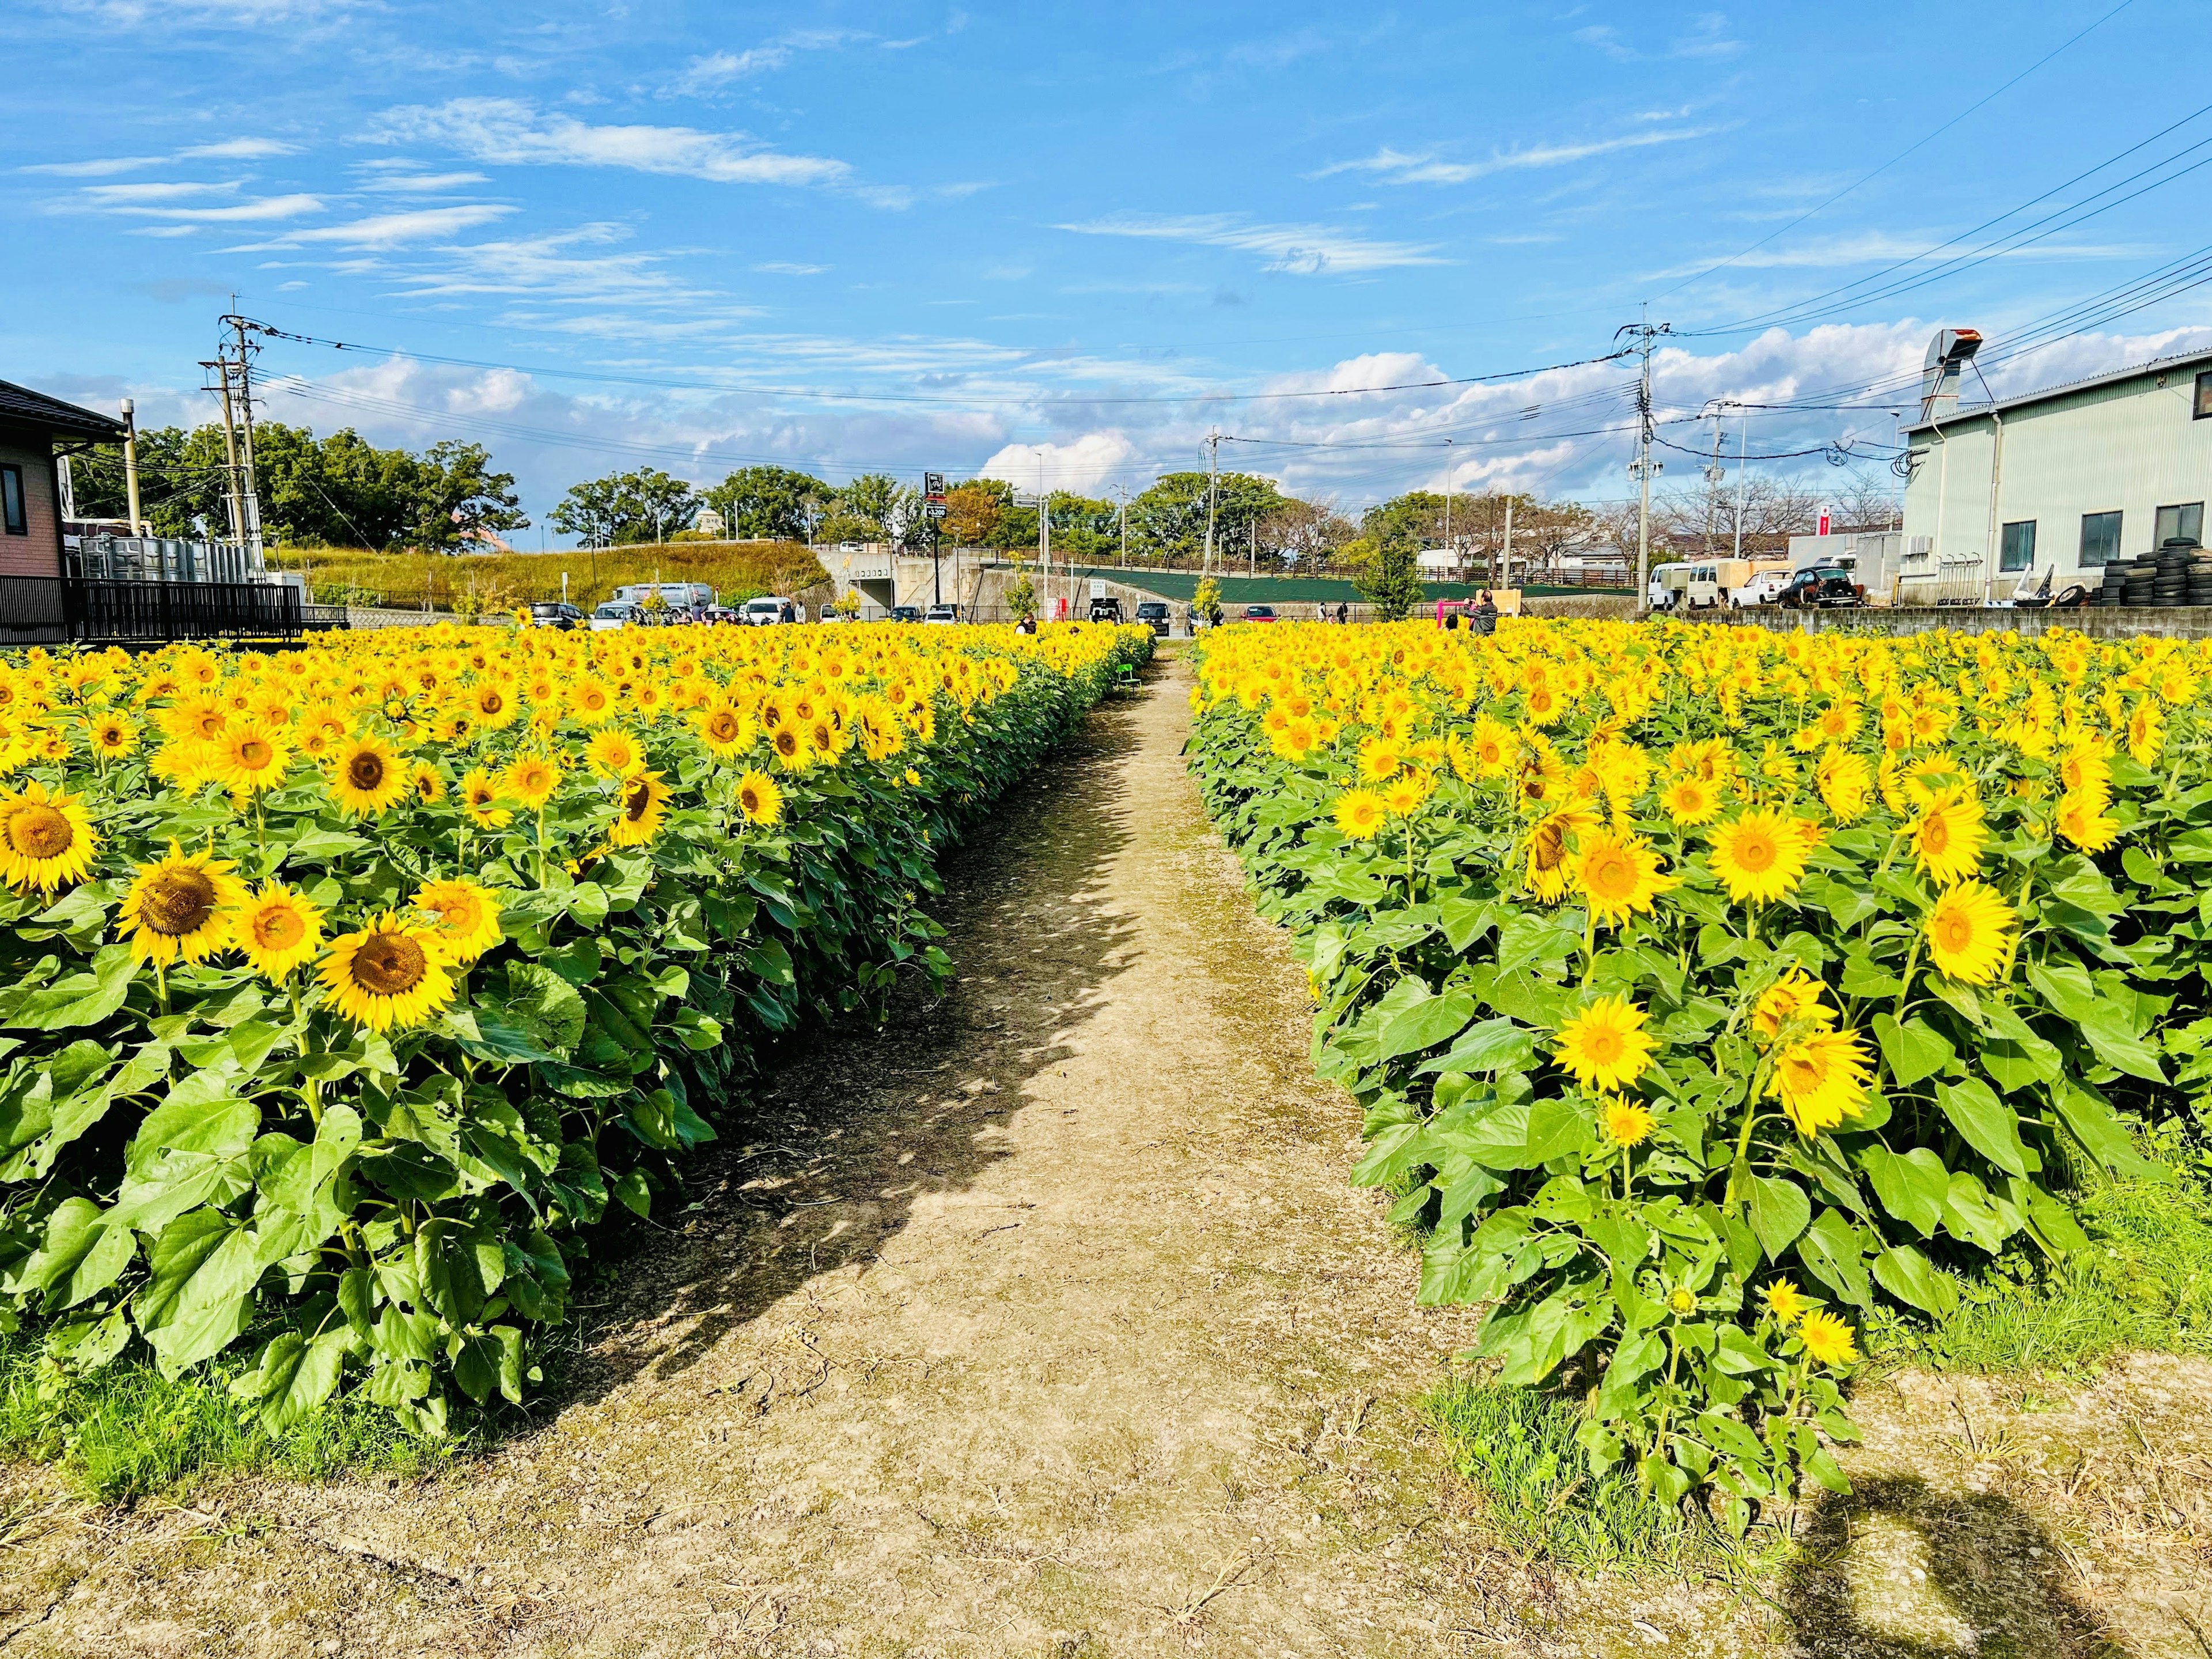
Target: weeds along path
1044, 1323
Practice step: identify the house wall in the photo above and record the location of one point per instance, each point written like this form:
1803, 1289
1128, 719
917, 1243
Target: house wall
40, 553
2130, 447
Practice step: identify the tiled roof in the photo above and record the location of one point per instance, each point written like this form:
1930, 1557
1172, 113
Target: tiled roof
19, 404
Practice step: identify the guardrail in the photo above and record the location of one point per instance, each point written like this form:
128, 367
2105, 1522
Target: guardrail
64, 610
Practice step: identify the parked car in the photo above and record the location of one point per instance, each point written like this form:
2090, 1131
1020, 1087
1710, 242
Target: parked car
1259, 613
555, 613
719, 614
1106, 609
1155, 615
616, 614
906, 613
768, 609
1821, 589
1765, 588
943, 613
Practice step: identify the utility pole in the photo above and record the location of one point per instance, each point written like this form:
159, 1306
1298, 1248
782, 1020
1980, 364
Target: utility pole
1714, 477
1643, 467
1448, 495
1740, 448
1213, 495
1122, 491
250, 494
131, 463
1044, 540
933, 506
1508, 548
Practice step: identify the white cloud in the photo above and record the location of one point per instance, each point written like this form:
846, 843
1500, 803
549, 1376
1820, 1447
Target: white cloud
717, 69
1883, 247
1401, 168
391, 230
125, 195
1304, 250
241, 149
421, 184
1086, 465
260, 211
787, 268
510, 131
103, 168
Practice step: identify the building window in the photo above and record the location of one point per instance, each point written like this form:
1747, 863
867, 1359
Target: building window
2019, 552
2100, 538
2204, 396
2186, 521
11, 501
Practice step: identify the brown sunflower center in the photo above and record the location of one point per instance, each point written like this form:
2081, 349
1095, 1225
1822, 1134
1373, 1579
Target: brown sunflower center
723, 726
389, 964
637, 801
1603, 1045
1935, 835
490, 701
40, 832
1756, 853
1548, 847
1610, 876
178, 902
279, 929
1955, 932
786, 742
365, 771
255, 754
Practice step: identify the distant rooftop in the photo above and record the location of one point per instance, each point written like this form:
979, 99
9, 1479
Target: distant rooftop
2186, 361
21, 404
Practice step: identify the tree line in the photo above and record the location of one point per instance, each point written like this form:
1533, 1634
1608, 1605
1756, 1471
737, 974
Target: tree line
339, 490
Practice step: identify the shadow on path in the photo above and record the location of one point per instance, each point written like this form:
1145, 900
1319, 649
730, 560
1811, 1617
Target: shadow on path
856, 1126
1900, 1570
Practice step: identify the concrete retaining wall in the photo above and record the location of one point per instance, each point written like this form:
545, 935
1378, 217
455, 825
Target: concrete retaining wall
2099, 622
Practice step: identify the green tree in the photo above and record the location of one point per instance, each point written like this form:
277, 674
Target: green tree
625, 508
1168, 520
772, 503
1205, 601
1021, 597
1391, 579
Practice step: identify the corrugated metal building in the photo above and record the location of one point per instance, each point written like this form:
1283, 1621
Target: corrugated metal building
2063, 480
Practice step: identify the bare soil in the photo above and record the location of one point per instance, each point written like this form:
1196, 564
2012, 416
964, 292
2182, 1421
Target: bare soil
1045, 1323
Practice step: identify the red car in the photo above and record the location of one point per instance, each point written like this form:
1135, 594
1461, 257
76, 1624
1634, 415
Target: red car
1259, 613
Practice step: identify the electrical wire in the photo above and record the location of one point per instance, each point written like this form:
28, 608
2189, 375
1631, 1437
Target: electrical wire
1918, 145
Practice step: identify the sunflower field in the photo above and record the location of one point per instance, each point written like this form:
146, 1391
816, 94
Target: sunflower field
342, 990
1709, 992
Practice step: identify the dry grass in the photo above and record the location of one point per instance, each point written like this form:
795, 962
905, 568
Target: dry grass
480, 583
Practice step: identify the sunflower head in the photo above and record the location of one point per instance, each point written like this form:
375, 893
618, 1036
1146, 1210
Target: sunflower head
530, 778
1360, 813
277, 930
391, 973
1606, 1046
464, 916
1626, 1122
641, 807
45, 840
1828, 1340
366, 776
759, 798
1786, 1302
180, 908
1969, 932
479, 798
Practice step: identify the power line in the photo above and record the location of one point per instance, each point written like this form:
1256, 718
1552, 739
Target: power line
1909, 149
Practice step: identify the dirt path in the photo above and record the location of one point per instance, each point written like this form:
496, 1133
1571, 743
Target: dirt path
1043, 1324
1047, 1325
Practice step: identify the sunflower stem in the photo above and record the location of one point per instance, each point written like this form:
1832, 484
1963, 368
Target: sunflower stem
1911, 961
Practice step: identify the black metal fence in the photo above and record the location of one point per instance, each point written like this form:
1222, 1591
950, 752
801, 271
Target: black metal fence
60, 610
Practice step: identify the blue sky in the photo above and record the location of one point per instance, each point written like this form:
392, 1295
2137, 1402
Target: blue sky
1067, 241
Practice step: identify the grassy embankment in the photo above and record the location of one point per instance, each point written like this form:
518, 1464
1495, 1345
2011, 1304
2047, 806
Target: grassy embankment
483, 583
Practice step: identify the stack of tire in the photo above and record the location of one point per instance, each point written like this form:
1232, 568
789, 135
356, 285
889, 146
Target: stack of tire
2140, 581
2199, 588
2170, 585
2115, 590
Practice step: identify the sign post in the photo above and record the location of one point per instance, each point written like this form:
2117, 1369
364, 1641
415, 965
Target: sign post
932, 500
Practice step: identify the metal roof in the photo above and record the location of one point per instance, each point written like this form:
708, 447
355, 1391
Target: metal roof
2187, 360
20, 405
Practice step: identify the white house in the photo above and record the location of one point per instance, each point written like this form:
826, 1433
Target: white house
2064, 481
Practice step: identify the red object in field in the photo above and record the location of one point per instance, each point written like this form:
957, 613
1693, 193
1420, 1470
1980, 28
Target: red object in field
1824, 523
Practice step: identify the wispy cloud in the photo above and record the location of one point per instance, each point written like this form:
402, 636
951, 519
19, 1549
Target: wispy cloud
241, 149
1708, 37
1396, 166
228, 149
785, 268
186, 204
421, 184
1304, 250
513, 132
1882, 247
391, 230
717, 69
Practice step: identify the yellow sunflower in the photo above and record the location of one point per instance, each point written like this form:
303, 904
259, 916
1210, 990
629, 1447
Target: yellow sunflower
1759, 855
1360, 813
760, 799
793, 752
1625, 1122
1605, 1046
277, 929
614, 751
1828, 1339
2081, 819
478, 794
1796, 995
1690, 801
727, 732
366, 776
467, 916
45, 840
254, 757
1617, 875
530, 778
641, 809
1820, 1079
388, 974
1948, 835
1969, 931
180, 907
111, 736
1786, 1302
